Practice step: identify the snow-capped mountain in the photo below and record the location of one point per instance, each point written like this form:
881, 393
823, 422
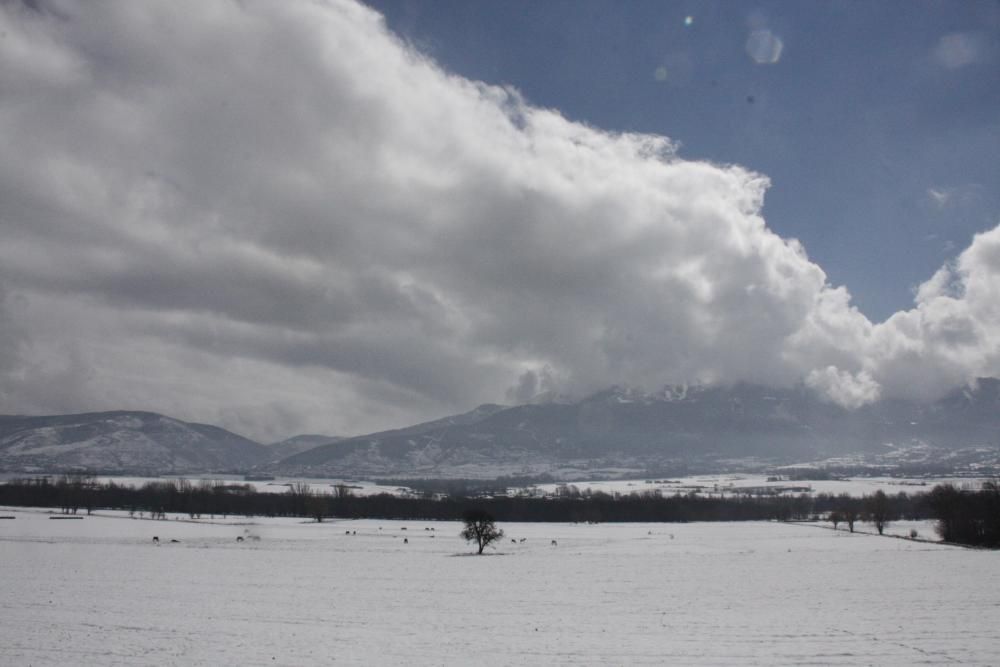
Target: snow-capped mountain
677, 428
617, 431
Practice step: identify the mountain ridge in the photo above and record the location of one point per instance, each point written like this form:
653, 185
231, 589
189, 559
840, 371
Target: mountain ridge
675, 428
611, 432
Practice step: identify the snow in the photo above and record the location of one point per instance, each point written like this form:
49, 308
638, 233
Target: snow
98, 591
722, 485
728, 484
278, 485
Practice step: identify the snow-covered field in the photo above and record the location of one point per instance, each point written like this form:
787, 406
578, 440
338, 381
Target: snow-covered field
738, 484
97, 591
280, 485
707, 485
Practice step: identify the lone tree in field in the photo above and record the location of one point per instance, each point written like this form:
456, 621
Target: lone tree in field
479, 528
316, 506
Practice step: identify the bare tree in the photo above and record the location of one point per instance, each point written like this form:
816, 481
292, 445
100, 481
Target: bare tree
300, 493
316, 506
848, 510
480, 528
879, 509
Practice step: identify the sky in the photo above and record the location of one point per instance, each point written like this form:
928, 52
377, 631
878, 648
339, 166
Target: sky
310, 217
877, 123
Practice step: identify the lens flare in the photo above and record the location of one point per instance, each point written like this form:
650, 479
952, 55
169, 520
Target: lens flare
959, 49
764, 47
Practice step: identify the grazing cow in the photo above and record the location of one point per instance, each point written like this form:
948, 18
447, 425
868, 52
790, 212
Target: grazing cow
347, 532
554, 543
523, 539
513, 541
239, 538
156, 540
406, 540
174, 541
403, 528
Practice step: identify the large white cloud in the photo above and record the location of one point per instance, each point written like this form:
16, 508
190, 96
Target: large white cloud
278, 217
953, 334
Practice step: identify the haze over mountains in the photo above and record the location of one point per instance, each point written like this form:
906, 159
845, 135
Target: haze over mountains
298, 444
618, 431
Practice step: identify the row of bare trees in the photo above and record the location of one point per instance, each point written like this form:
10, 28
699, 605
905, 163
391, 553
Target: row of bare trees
964, 516
877, 508
220, 499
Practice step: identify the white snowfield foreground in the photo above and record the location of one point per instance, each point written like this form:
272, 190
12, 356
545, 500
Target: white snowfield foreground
100, 592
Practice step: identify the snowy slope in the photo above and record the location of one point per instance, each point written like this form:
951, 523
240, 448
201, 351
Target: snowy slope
121, 441
298, 444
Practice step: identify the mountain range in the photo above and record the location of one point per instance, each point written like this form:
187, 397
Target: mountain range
619, 431
132, 442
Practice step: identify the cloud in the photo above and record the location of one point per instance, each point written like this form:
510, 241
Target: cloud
279, 217
847, 389
961, 195
952, 336
939, 196
12, 340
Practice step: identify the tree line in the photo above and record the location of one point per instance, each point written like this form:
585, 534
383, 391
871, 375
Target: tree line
964, 516
968, 517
